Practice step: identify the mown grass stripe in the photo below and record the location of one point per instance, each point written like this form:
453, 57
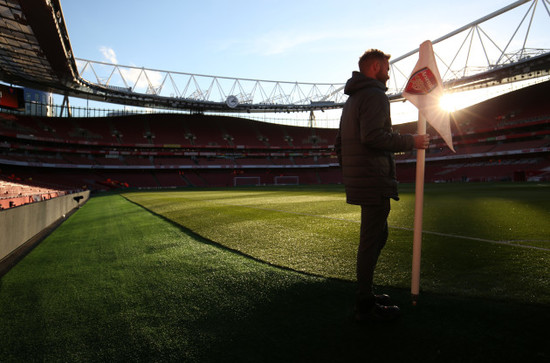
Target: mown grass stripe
451, 235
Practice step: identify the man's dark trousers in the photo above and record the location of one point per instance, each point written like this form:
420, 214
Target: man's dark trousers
373, 237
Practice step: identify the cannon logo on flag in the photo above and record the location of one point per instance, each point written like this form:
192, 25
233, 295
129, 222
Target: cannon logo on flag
421, 82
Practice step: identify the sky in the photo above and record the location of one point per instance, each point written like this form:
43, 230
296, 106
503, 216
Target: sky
283, 40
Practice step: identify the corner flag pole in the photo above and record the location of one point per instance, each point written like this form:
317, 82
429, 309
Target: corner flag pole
424, 90
418, 212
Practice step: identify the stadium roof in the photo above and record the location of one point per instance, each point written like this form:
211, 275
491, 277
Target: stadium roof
36, 50
36, 53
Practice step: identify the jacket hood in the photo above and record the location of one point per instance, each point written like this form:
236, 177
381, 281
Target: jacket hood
359, 81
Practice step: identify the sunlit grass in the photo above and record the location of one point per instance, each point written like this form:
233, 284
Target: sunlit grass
313, 230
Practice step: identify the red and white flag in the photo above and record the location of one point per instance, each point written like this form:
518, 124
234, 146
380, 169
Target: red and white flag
424, 89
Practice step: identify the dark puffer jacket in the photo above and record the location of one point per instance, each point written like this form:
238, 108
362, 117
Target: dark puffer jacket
365, 142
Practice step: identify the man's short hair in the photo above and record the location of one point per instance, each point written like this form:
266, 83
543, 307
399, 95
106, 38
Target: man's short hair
372, 55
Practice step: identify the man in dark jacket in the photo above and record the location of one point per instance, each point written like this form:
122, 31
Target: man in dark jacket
365, 144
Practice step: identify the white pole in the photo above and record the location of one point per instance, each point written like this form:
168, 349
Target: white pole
418, 213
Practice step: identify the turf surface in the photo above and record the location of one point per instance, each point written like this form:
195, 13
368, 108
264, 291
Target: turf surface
481, 240
118, 283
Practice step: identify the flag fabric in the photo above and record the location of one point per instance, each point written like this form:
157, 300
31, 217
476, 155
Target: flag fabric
424, 90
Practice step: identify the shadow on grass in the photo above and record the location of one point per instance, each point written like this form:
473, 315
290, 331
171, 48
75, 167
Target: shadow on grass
312, 323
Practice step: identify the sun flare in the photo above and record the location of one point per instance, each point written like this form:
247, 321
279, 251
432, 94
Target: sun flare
451, 102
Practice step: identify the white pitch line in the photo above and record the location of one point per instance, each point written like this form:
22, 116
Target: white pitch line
506, 243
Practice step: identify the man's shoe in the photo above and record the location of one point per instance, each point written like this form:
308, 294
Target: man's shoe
383, 299
378, 313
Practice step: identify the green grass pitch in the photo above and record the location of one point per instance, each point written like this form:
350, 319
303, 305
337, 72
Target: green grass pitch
478, 238
266, 274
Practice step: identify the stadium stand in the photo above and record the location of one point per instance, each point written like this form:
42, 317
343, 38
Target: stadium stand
506, 138
15, 191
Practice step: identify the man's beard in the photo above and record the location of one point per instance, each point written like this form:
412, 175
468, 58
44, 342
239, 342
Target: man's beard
382, 77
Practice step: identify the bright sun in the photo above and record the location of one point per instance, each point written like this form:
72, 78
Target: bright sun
451, 102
